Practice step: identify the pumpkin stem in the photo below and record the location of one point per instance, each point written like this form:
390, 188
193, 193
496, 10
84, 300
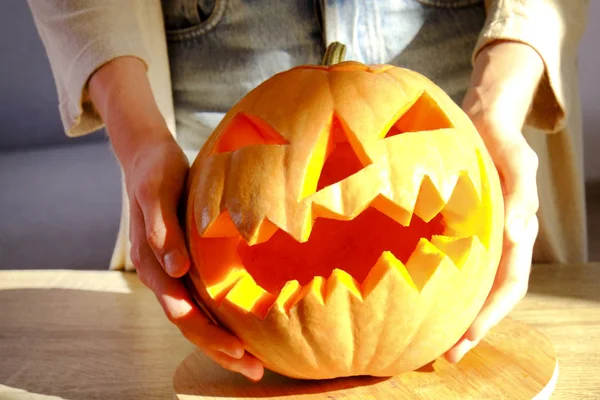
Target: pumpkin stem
334, 54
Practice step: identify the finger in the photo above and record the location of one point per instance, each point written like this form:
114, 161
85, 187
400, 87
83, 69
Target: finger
163, 231
510, 286
517, 164
459, 350
175, 299
248, 365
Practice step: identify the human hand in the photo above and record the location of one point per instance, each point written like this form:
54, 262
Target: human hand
505, 77
155, 180
155, 170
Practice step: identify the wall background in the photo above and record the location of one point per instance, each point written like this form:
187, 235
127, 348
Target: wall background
589, 68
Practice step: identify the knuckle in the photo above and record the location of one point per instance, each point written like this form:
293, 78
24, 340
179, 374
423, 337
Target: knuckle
528, 158
155, 236
523, 189
227, 363
531, 205
143, 277
527, 208
140, 264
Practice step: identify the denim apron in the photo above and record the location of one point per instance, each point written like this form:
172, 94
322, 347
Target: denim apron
219, 50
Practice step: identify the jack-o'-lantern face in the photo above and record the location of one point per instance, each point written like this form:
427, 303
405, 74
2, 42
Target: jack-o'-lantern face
344, 220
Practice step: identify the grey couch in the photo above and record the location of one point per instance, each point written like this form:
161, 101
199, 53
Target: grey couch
60, 198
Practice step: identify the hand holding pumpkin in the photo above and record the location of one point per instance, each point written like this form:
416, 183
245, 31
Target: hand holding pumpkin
155, 169
504, 81
155, 183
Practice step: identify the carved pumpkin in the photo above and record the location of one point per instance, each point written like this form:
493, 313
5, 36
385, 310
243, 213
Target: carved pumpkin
344, 220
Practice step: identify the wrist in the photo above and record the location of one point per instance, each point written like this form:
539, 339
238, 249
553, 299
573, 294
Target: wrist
505, 79
121, 93
505, 62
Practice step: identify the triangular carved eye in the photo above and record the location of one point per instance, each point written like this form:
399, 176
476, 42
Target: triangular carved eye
424, 115
247, 130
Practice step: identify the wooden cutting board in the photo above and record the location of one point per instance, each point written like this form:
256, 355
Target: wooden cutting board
514, 361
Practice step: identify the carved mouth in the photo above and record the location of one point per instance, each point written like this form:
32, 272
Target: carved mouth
355, 251
352, 246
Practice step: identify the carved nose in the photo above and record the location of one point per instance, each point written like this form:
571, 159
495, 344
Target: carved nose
341, 161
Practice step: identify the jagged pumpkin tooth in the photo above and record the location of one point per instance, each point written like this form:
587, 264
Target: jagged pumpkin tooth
226, 265
346, 199
219, 290
392, 210
314, 291
341, 280
288, 296
247, 296
385, 265
460, 206
328, 203
263, 232
460, 250
428, 264
429, 202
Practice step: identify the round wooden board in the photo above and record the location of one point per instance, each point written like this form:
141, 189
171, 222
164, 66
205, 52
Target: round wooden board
514, 361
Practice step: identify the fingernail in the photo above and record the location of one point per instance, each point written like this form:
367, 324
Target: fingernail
253, 374
236, 353
173, 261
462, 348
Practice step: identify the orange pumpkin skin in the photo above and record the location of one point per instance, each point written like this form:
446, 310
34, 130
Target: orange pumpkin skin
344, 220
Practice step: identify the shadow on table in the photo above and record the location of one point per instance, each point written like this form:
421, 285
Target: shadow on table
209, 382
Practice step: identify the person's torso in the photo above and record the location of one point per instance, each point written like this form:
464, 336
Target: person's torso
219, 50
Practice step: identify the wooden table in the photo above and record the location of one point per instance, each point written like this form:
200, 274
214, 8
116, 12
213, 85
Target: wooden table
102, 335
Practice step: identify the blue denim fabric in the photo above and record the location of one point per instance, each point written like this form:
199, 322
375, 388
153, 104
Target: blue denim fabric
221, 49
